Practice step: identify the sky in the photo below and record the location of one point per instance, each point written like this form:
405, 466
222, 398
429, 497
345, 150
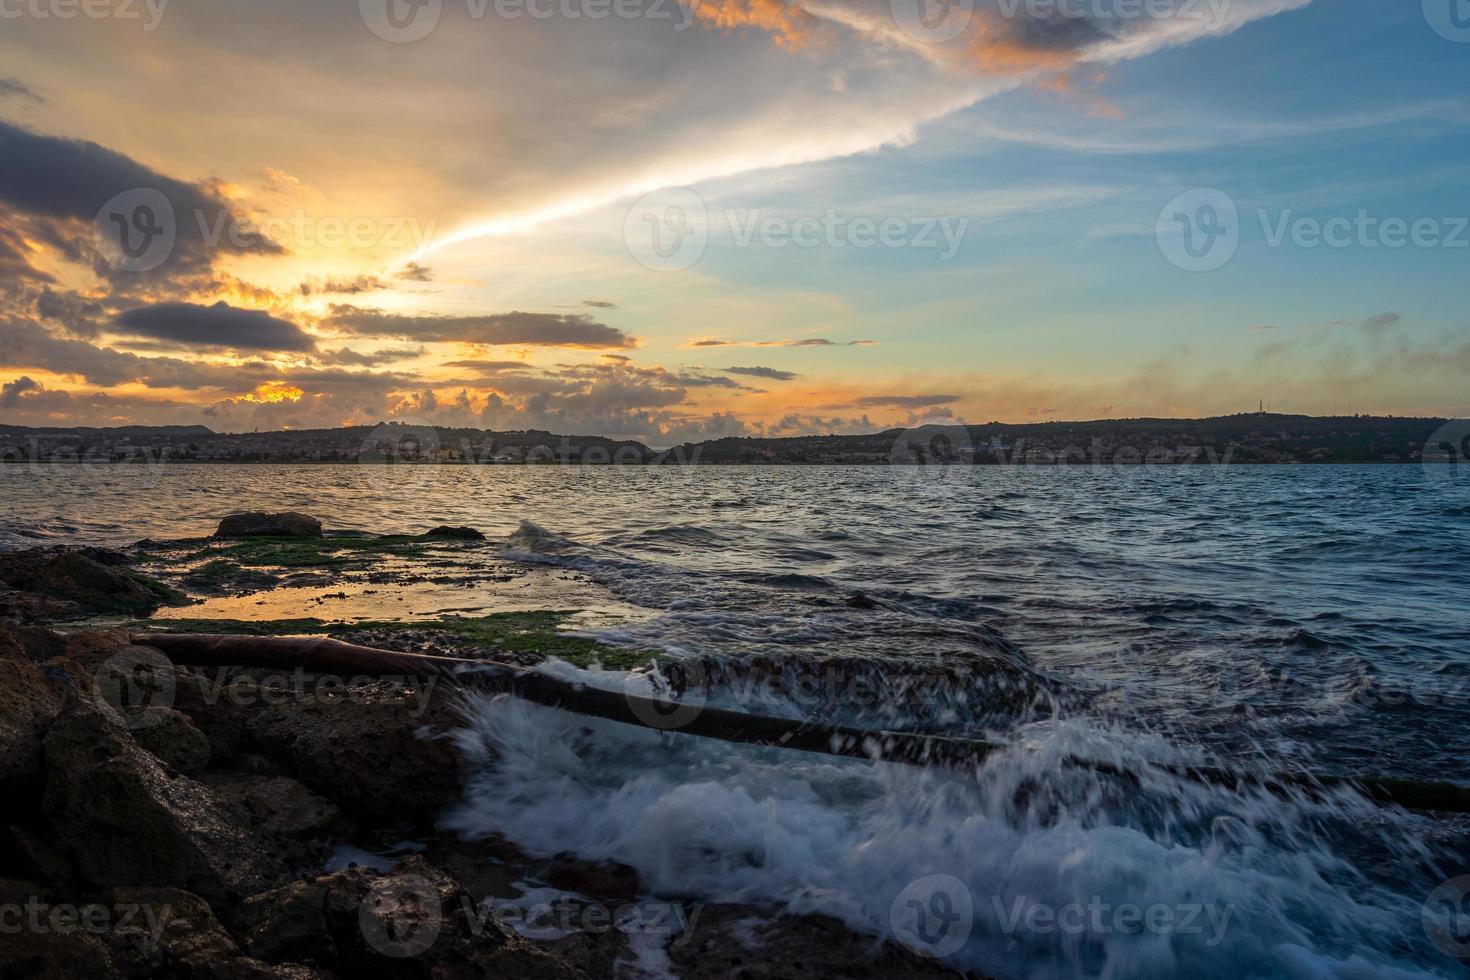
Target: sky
672, 221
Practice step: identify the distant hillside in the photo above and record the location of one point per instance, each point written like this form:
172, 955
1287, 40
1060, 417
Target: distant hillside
1248, 438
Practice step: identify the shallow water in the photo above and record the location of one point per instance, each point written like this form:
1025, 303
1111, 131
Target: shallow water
1279, 617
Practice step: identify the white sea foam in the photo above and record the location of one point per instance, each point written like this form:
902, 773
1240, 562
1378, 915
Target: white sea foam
1253, 884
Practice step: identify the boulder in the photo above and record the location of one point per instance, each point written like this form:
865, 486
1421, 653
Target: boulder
30, 698
172, 738
277, 805
382, 749
128, 821
257, 524
174, 933
415, 921
455, 533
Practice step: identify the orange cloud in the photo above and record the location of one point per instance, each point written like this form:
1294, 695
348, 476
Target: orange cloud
789, 25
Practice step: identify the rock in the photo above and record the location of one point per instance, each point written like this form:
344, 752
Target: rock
722, 942
289, 922
129, 822
860, 601
381, 749
277, 805
415, 921
35, 857
49, 955
456, 533
29, 701
605, 881
256, 524
175, 933
73, 583
172, 738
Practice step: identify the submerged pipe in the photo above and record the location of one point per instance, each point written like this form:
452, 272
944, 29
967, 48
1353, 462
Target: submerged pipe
328, 656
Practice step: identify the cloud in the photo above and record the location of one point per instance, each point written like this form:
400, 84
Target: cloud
762, 372
354, 285
11, 391
414, 272
535, 329
489, 367
905, 401
13, 88
806, 342
1378, 326
58, 186
373, 359
217, 327
600, 304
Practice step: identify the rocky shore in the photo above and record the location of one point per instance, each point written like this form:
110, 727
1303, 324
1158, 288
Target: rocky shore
163, 821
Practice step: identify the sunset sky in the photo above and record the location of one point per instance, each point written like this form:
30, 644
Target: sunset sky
666, 222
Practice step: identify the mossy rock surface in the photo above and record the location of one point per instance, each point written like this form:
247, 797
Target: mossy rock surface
524, 634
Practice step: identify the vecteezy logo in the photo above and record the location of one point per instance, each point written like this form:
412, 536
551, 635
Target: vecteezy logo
932, 21
1446, 916
673, 700
934, 450
1199, 230
402, 454
667, 230
139, 683
933, 916
1446, 456
401, 916
1450, 19
136, 230
401, 21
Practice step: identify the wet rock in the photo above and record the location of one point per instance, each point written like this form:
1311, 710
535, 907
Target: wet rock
128, 821
860, 601
256, 524
605, 881
173, 739
456, 533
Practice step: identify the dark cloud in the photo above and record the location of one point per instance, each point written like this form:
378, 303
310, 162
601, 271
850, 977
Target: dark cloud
14, 88
58, 186
15, 258
346, 287
762, 372
905, 401
374, 359
414, 272
600, 304
535, 329
80, 315
489, 367
11, 391
217, 327
713, 343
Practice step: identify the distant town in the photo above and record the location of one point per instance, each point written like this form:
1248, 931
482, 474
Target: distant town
1257, 437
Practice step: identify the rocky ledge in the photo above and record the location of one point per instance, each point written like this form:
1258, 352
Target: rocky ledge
171, 822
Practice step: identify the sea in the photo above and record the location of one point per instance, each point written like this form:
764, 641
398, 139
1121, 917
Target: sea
1101, 626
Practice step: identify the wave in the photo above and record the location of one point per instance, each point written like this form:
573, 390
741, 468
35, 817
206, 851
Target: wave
1266, 882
